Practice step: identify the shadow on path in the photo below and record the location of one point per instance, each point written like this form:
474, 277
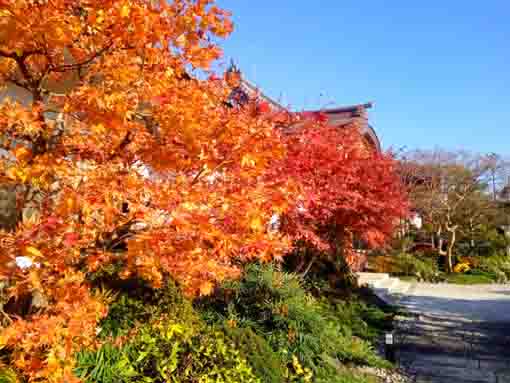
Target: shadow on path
456, 334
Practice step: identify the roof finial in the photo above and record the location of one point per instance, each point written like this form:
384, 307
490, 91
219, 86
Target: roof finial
233, 75
233, 68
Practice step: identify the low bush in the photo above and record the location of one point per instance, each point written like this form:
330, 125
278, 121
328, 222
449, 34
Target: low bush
136, 304
462, 267
382, 264
366, 322
108, 364
420, 267
343, 375
265, 327
474, 277
265, 363
472, 261
298, 327
162, 339
166, 351
497, 265
8, 375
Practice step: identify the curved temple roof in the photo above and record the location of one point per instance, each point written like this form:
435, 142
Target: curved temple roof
344, 115
339, 116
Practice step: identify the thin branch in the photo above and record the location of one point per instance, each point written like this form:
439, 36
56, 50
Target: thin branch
18, 83
6, 54
125, 142
67, 67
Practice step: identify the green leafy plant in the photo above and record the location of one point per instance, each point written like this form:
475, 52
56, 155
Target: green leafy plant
366, 322
421, 267
109, 364
295, 324
8, 375
474, 277
264, 327
341, 375
176, 352
138, 303
497, 265
167, 342
264, 361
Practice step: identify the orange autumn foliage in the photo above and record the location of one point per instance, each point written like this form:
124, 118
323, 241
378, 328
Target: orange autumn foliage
133, 151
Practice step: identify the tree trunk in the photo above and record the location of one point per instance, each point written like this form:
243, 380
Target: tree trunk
302, 253
310, 264
344, 277
506, 230
472, 230
440, 242
451, 244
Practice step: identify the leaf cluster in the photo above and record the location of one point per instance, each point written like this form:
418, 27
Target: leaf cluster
159, 341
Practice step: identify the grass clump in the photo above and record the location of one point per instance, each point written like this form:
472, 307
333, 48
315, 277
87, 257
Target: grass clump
497, 266
473, 277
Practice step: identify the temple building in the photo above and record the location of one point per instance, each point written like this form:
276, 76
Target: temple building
339, 117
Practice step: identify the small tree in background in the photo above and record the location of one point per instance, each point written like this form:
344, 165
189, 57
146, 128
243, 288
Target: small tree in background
498, 172
450, 191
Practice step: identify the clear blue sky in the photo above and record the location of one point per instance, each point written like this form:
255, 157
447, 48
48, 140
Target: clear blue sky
438, 71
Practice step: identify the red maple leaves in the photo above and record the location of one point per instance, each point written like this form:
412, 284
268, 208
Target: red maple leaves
348, 190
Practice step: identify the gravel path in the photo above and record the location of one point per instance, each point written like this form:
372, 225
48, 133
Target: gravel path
456, 334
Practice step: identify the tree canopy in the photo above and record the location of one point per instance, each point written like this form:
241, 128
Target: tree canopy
143, 147
349, 190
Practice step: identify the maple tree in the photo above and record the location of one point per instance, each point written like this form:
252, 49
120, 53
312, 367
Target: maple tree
349, 190
143, 156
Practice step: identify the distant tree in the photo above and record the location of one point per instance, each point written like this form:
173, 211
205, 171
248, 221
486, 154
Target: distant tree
498, 174
450, 190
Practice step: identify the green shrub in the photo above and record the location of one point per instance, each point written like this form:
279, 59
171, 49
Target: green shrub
497, 265
175, 352
474, 277
366, 322
275, 305
165, 351
264, 327
421, 267
168, 342
344, 377
8, 375
263, 360
140, 304
108, 364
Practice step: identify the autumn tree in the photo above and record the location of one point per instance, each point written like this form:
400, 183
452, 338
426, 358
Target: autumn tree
137, 160
348, 191
450, 191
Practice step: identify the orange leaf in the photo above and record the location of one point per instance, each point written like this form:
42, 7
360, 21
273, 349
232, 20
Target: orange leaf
206, 288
